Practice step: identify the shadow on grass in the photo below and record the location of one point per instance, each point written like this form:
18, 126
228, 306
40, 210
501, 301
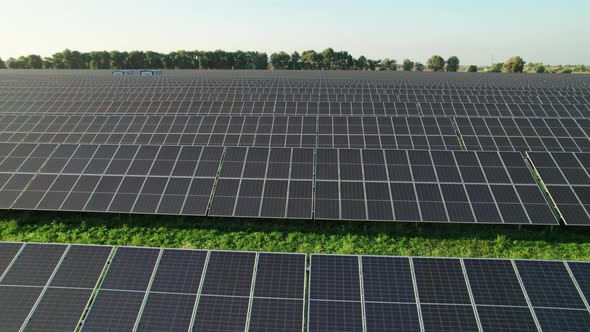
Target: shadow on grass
71, 220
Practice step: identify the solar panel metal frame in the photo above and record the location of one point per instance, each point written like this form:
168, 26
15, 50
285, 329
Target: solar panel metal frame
48, 284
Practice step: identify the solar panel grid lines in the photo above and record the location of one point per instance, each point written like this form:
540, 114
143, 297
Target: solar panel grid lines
121, 292
56, 295
359, 163
78, 275
560, 307
149, 286
475, 310
516, 134
577, 285
337, 302
9, 256
199, 291
566, 179
331, 110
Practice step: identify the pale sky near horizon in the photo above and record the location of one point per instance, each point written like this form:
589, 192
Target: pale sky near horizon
549, 31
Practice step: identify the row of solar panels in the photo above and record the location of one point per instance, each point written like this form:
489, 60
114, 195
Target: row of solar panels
183, 93
320, 82
352, 77
51, 287
351, 184
272, 106
490, 134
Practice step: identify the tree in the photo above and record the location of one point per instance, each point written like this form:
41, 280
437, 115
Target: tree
241, 60
342, 60
35, 61
389, 64
118, 60
258, 60
48, 63
418, 66
373, 64
295, 61
280, 60
73, 59
2, 64
436, 63
309, 59
20, 63
58, 61
136, 60
184, 59
153, 60
99, 60
452, 64
407, 65
514, 65
497, 67
472, 69
328, 57
539, 68
361, 63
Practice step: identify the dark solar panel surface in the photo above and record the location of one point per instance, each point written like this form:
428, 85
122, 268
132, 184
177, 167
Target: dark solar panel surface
163, 289
47, 286
7, 253
71, 141
265, 292
446, 294
567, 179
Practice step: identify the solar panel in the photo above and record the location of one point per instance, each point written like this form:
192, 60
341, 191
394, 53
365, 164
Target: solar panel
47, 286
522, 134
7, 253
405, 294
279, 293
435, 186
334, 294
262, 182
566, 178
154, 289
276, 131
89, 142
351, 184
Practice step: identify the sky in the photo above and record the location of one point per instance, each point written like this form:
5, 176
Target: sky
549, 31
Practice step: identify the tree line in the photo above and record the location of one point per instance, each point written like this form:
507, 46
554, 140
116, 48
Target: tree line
328, 59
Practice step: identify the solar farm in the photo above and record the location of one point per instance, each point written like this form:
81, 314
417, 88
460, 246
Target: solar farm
394, 148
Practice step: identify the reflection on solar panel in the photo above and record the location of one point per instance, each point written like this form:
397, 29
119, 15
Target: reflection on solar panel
381, 293
566, 177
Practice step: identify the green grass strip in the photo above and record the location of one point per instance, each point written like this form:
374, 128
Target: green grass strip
360, 237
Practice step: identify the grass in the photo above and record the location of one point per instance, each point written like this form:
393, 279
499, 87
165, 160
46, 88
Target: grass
372, 238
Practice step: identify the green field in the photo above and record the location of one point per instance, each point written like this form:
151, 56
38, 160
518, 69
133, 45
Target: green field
374, 238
